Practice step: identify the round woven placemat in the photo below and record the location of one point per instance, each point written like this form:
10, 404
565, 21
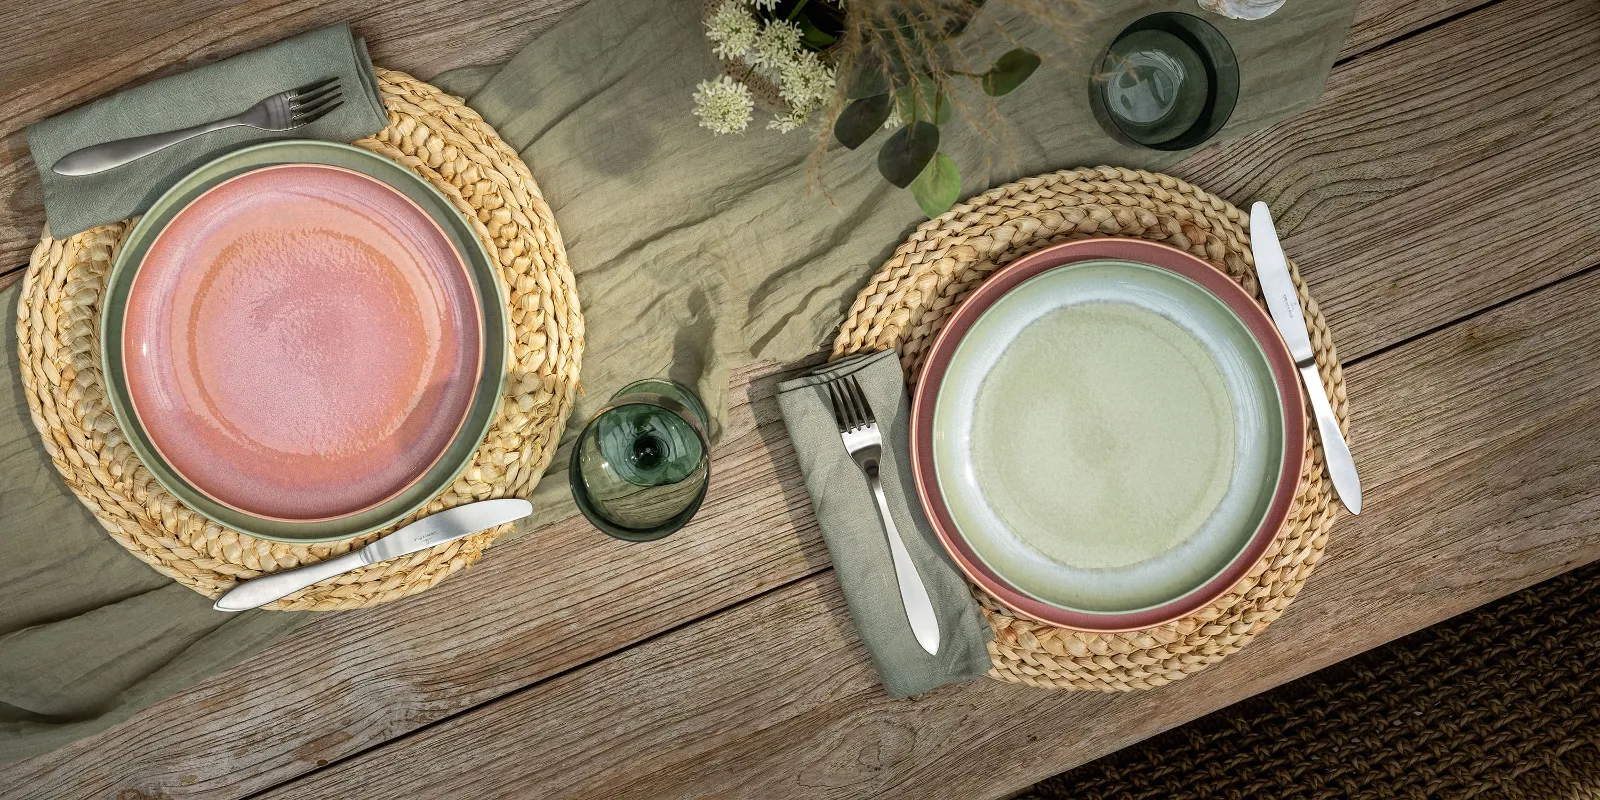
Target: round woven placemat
449, 145
907, 302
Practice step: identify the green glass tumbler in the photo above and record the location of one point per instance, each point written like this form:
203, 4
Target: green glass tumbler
1169, 81
642, 465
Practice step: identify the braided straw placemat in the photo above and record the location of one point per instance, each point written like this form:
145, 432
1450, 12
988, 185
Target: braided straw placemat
908, 300
446, 143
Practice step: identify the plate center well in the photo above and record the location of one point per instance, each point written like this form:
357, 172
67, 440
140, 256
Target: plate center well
1106, 434
302, 342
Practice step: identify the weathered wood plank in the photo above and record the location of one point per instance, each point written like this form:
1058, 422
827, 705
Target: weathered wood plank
1430, 155
78, 51
1482, 480
1377, 24
535, 606
354, 680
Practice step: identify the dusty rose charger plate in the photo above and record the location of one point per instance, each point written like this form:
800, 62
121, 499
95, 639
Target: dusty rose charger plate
305, 343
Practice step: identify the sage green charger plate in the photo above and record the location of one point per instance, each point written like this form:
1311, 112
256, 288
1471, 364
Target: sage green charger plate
1108, 437
486, 397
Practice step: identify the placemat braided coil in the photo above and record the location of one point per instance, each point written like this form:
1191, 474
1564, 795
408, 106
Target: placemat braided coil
449, 145
907, 302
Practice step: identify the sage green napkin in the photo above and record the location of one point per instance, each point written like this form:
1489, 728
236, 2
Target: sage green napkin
228, 87
856, 538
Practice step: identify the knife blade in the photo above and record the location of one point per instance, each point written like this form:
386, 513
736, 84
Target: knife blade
1283, 301
435, 529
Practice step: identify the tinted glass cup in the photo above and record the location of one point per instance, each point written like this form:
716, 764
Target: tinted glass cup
642, 465
1168, 82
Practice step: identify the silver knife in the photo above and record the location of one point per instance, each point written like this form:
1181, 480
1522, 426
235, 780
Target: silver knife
447, 525
1272, 270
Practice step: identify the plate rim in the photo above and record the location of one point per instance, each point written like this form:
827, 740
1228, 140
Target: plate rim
489, 293
1161, 256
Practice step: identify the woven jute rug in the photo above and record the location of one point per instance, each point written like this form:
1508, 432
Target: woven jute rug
449, 145
907, 302
1500, 702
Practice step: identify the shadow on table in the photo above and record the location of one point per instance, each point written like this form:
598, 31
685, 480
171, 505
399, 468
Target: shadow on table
763, 393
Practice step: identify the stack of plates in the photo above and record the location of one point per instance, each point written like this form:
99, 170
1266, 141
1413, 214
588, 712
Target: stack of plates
1108, 434
303, 341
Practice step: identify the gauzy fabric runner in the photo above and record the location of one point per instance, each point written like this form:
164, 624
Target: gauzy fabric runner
697, 253
88, 633
693, 254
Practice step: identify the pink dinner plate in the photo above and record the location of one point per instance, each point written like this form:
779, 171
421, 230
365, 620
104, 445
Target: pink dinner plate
1107, 434
302, 343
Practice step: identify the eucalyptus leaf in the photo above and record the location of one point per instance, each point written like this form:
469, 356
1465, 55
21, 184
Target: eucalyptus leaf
859, 120
907, 152
923, 100
938, 186
868, 81
1009, 71
813, 36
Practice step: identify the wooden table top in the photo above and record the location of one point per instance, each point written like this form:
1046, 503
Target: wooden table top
1440, 201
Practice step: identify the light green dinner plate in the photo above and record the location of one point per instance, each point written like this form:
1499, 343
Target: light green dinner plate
1108, 437
486, 398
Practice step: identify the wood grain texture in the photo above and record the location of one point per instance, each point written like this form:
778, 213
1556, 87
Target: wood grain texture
51, 61
535, 605
1428, 157
353, 681
1377, 24
1477, 487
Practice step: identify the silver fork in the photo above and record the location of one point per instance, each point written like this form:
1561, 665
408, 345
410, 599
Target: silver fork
859, 430
283, 111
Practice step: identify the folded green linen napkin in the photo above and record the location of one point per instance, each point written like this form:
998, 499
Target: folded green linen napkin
228, 87
856, 538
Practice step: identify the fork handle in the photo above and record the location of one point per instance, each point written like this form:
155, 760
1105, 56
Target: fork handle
109, 155
913, 594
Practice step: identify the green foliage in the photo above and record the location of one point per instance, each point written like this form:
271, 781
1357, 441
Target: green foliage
912, 88
938, 187
923, 100
903, 157
860, 120
1009, 71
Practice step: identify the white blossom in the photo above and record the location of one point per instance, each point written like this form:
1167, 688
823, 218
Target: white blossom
805, 82
723, 105
778, 44
784, 123
765, 5
732, 30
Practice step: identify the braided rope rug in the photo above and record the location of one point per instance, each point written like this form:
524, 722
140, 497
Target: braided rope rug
907, 301
1501, 702
450, 146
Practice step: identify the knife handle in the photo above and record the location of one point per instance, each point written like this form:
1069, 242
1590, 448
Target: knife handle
260, 591
1335, 450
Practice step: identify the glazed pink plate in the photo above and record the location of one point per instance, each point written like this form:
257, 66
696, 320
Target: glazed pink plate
302, 342
1107, 434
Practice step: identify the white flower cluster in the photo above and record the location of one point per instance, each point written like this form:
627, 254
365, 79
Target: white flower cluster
733, 30
805, 82
723, 105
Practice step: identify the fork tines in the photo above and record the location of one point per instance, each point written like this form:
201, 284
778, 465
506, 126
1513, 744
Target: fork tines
314, 100
850, 408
